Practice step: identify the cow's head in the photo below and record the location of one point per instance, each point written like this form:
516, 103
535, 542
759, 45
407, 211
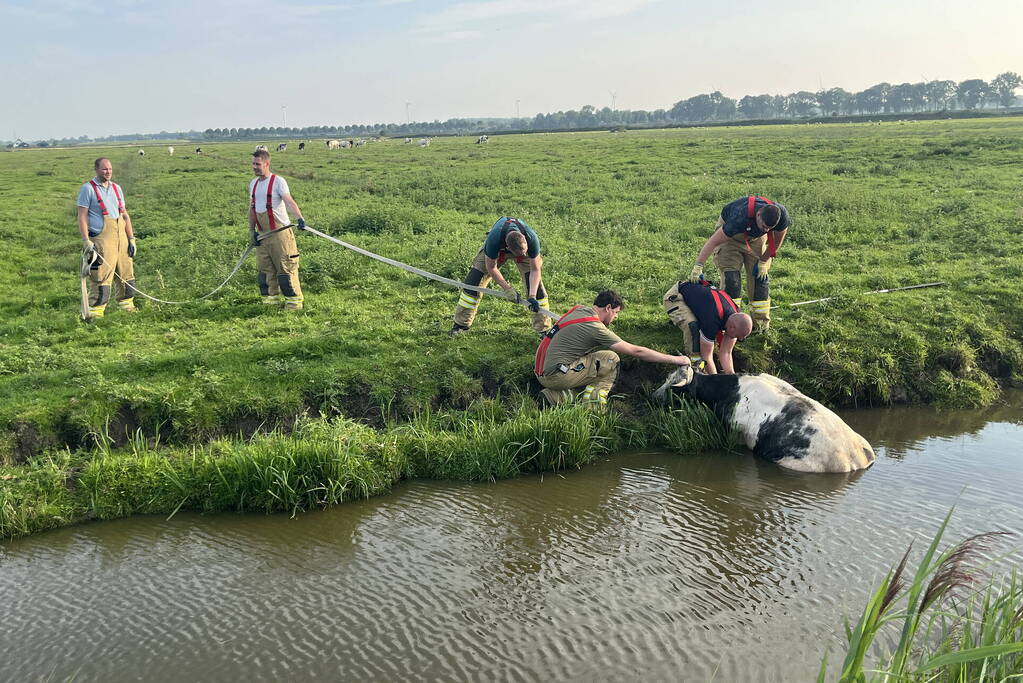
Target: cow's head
680, 377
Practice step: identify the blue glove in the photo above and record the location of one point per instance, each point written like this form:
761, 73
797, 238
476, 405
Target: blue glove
301, 223
533, 304
131, 248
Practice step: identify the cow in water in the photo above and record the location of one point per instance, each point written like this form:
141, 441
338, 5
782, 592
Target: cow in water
775, 420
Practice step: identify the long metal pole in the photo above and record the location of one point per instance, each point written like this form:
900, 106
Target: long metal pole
876, 291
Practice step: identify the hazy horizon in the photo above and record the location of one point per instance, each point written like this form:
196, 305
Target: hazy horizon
143, 67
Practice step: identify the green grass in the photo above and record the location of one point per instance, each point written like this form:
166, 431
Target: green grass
948, 621
873, 207
622, 210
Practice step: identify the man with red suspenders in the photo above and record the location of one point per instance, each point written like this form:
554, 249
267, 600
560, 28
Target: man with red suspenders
271, 233
567, 359
108, 240
747, 235
706, 316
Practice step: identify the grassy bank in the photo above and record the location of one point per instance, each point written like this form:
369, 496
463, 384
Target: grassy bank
325, 462
874, 206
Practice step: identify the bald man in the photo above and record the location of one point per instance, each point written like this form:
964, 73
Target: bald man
707, 317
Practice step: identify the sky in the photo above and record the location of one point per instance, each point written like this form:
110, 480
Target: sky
78, 67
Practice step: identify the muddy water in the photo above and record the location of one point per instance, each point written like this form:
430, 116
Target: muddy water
645, 566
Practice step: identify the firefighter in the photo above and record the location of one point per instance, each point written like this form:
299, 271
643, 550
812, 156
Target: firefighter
108, 241
580, 351
508, 237
748, 233
706, 316
271, 234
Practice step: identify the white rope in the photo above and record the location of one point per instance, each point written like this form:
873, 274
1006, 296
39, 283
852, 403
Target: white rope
514, 298
876, 291
91, 255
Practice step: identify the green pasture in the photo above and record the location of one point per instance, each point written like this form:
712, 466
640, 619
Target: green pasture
874, 206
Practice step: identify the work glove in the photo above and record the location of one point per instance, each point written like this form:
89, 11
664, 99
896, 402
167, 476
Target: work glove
697, 273
760, 269
518, 297
300, 223
132, 248
533, 304
87, 245
253, 238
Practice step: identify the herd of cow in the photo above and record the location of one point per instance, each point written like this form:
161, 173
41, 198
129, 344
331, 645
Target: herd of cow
331, 144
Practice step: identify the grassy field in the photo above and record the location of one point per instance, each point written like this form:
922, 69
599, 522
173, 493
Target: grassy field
873, 207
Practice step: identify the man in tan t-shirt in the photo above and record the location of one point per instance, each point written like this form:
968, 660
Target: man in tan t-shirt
567, 358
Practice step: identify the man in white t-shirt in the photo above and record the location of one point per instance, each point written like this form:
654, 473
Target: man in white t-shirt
271, 233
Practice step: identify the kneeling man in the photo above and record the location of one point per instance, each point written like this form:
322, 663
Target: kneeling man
568, 356
707, 315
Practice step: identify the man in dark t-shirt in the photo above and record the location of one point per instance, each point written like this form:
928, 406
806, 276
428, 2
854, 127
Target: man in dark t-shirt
508, 238
579, 351
706, 316
748, 233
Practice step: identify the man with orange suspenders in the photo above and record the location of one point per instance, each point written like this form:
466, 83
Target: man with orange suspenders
748, 233
108, 241
567, 357
270, 230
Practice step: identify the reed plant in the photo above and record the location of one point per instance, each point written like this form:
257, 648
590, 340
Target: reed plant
947, 621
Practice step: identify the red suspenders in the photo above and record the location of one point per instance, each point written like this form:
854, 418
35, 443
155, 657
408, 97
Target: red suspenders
719, 297
541, 351
751, 206
269, 198
99, 199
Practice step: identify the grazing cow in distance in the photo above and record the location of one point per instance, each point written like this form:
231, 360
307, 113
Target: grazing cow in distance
281, 147
301, 146
482, 139
142, 152
198, 150
261, 148
333, 144
424, 142
170, 150
775, 420
408, 141
360, 143
344, 144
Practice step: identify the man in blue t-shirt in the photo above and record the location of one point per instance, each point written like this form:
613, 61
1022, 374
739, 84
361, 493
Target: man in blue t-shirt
706, 316
508, 237
747, 235
108, 240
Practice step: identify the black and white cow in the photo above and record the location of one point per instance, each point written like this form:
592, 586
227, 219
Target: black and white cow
282, 147
775, 420
301, 146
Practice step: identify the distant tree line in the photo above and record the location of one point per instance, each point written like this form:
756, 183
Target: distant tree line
883, 99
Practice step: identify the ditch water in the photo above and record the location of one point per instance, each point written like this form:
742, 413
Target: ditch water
644, 566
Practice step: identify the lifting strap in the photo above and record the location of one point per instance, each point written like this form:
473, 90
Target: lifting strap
102, 206
269, 200
541, 351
